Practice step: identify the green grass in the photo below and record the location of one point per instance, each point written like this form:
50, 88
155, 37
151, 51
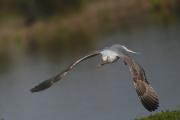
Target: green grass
168, 115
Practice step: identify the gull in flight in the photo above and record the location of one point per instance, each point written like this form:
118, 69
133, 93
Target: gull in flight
146, 93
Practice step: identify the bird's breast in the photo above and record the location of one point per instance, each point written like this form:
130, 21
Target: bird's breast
109, 56
112, 58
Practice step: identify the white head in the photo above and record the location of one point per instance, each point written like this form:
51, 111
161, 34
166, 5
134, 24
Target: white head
121, 50
128, 50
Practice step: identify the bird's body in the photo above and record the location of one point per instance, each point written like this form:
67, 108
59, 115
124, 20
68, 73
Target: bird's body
109, 56
146, 93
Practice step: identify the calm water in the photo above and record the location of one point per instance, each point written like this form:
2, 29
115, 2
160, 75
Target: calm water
88, 93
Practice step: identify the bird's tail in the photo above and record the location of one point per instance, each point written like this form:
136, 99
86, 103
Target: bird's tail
42, 86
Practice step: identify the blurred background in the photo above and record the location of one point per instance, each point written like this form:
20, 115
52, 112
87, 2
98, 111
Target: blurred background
39, 38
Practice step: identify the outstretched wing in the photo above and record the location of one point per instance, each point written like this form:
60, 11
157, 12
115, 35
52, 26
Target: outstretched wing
146, 93
48, 83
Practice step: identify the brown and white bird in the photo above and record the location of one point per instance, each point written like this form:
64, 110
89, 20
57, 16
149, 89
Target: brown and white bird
146, 93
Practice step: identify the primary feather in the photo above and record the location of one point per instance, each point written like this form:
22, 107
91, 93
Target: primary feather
146, 93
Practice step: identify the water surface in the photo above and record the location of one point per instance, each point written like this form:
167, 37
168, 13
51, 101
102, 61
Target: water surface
88, 93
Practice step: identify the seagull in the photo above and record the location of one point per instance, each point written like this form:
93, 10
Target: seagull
145, 92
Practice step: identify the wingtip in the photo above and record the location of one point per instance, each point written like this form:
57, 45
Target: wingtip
32, 90
42, 86
35, 89
152, 109
150, 103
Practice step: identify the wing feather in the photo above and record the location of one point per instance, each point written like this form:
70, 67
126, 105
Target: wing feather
48, 83
147, 95
145, 92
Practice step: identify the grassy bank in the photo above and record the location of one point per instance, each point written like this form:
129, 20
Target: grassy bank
168, 115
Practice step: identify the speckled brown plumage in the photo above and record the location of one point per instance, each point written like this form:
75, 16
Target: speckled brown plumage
146, 93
